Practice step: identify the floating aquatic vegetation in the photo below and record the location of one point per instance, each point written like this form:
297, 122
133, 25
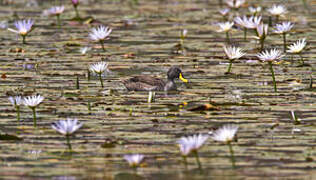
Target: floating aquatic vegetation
283, 28
100, 34
270, 56
233, 53
99, 68
192, 144
32, 102
67, 128
16, 102
297, 48
226, 134
134, 160
24, 27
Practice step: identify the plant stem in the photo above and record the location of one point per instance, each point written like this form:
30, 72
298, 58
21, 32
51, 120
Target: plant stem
185, 162
17, 112
58, 21
76, 10
23, 39
276, 19
230, 66
245, 34
232, 154
100, 77
68, 142
302, 60
227, 37
270, 21
197, 159
34, 116
284, 42
102, 45
273, 77
261, 44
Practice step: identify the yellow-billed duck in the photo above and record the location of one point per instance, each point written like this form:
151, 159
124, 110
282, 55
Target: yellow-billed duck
148, 83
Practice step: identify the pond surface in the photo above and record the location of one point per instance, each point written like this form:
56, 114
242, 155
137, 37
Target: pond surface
118, 122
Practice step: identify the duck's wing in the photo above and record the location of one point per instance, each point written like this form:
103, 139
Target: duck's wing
144, 83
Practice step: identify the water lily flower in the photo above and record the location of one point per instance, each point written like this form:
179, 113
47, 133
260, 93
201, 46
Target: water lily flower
32, 102
67, 128
55, 11
224, 12
226, 134
262, 33
248, 23
24, 27
99, 68
75, 4
100, 34
134, 160
233, 53
225, 27
277, 10
297, 48
16, 102
254, 10
283, 28
235, 3
192, 144
270, 56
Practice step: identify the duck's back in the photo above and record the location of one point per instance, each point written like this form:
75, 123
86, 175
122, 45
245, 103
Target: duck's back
144, 83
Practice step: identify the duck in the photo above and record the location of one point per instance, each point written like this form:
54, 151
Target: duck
148, 83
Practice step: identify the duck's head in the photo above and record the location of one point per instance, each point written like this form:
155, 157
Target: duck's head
175, 72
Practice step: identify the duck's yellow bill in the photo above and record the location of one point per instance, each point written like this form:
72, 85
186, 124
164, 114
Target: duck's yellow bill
182, 78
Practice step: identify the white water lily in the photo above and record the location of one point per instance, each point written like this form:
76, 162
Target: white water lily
99, 67
54, 11
250, 23
16, 101
100, 33
224, 11
134, 160
67, 127
284, 27
262, 30
226, 133
233, 52
254, 10
225, 27
33, 101
23, 27
235, 3
297, 47
272, 55
191, 143
277, 10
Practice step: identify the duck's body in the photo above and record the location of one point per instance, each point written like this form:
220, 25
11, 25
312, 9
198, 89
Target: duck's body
148, 83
